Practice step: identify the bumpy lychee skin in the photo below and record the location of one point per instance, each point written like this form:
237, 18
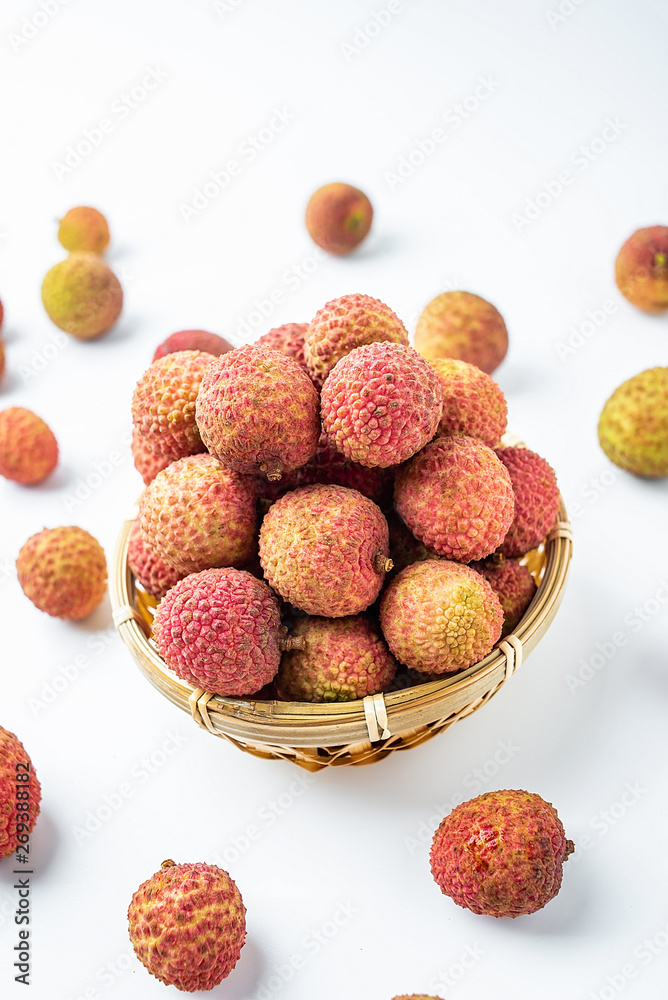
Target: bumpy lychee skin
325, 550
536, 500
439, 616
193, 340
155, 575
163, 403
473, 403
288, 339
501, 854
343, 659
456, 496
405, 548
464, 326
513, 584
257, 412
146, 462
641, 269
344, 324
187, 925
381, 404
338, 217
82, 295
20, 793
415, 996
633, 426
220, 630
63, 572
196, 514
84, 228
28, 447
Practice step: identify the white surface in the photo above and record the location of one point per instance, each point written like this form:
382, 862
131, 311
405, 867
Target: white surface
343, 854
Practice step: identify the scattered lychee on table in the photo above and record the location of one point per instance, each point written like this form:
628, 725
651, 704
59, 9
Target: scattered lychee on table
63, 571
338, 217
20, 794
28, 446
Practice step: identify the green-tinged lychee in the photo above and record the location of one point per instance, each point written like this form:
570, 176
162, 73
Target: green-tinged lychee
164, 400
501, 854
464, 326
343, 659
513, 584
338, 217
82, 295
288, 339
20, 794
456, 496
536, 500
221, 630
28, 447
439, 616
633, 427
325, 550
344, 324
63, 572
381, 404
153, 573
84, 229
473, 403
187, 925
641, 269
146, 462
193, 340
258, 412
196, 514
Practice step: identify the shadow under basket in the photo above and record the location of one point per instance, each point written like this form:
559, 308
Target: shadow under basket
315, 736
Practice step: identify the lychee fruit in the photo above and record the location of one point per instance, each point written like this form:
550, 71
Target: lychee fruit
501, 854
257, 412
633, 426
536, 500
63, 572
82, 295
325, 550
456, 496
2, 314
196, 514
193, 340
146, 462
288, 339
338, 217
344, 324
187, 925
415, 996
163, 404
220, 630
20, 794
2, 357
28, 447
439, 616
641, 269
513, 584
84, 229
464, 326
343, 659
405, 548
155, 575
381, 404
473, 403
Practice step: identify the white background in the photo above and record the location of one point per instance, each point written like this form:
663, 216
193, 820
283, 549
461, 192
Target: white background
342, 855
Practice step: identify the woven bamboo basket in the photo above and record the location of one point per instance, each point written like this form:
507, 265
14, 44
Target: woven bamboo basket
315, 736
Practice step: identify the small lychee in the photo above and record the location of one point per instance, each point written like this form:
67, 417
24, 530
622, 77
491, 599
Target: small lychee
513, 584
641, 269
193, 340
20, 794
82, 295
536, 500
84, 229
464, 326
28, 447
338, 217
63, 572
633, 426
473, 403
163, 403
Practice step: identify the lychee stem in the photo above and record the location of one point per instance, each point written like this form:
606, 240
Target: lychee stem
272, 468
570, 847
168, 864
382, 564
292, 642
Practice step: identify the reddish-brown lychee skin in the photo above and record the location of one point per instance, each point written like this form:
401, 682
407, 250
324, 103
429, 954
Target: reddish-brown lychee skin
187, 925
405, 548
196, 514
220, 630
343, 659
163, 404
193, 340
415, 996
513, 584
381, 404
344, 324
439, 616
2, 358
536, 500
63, 572
287, 339
325, 550
464, 326
146, 462
641, 269
155, 575
257, 412
84, 229
456, 496
338, 217
20, 794
501, 853
2, 314
473, 403
28, 447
